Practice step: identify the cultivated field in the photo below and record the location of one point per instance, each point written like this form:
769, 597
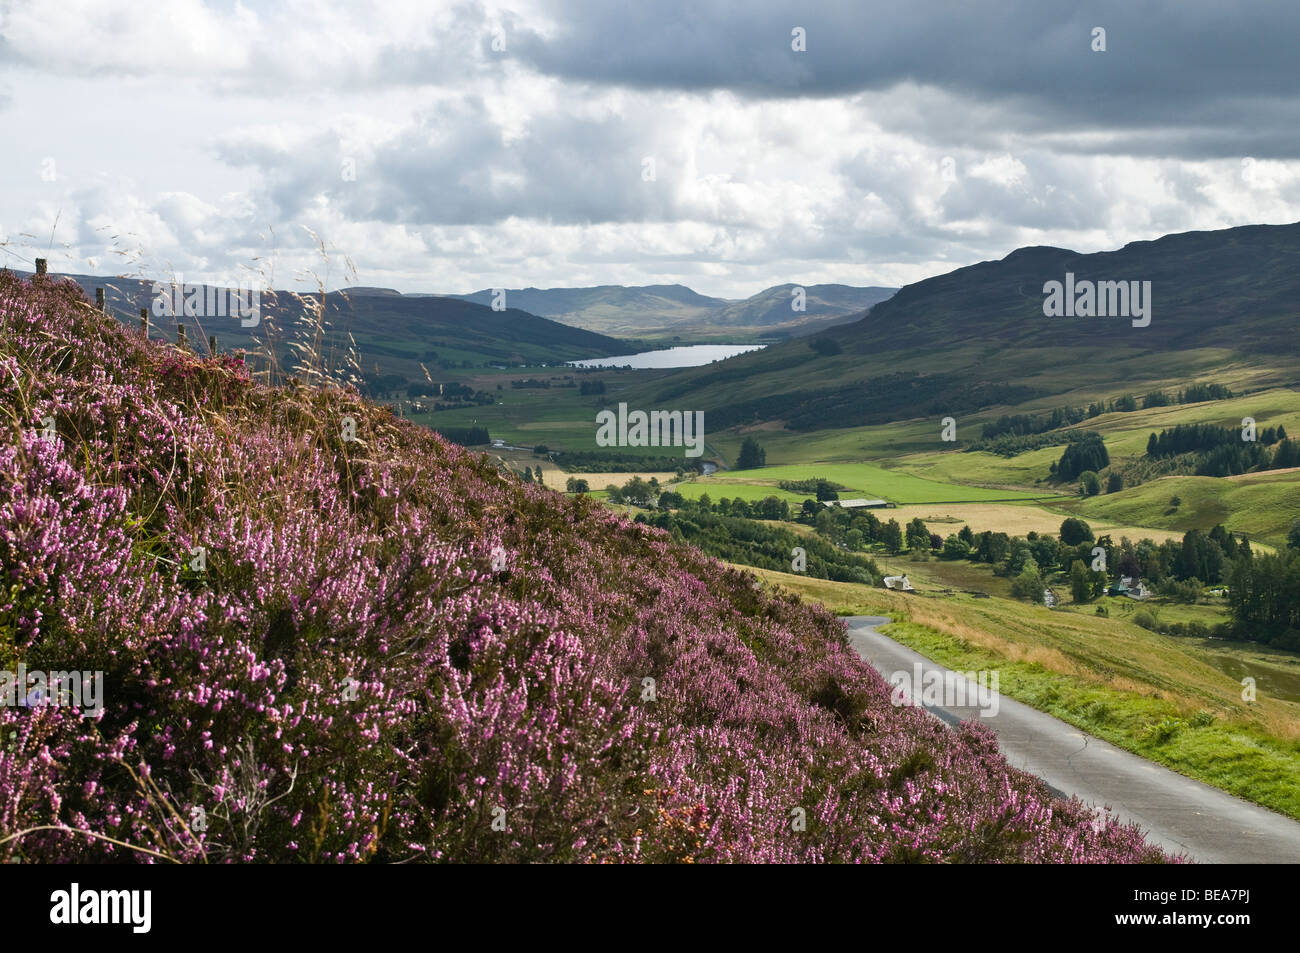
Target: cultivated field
870, 480
1014, 519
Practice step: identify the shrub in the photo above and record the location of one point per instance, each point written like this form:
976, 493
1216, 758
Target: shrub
1075, 531
1029, 584
1187, 591
1146, 619
1163, 730
954, 547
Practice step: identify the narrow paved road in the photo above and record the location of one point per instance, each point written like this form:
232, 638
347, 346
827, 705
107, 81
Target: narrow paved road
1180, 814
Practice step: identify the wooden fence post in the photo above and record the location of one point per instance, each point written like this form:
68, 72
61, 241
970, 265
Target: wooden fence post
144, 322
40, 267
212, 344
99, 299
180, 335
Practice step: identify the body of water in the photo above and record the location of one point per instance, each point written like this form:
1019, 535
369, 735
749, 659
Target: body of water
691, 355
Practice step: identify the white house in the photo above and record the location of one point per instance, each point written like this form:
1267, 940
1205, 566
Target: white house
1135, 588
898, 583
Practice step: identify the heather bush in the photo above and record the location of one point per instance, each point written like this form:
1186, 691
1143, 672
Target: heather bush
395, 653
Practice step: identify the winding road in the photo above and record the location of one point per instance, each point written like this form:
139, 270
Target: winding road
1180, 814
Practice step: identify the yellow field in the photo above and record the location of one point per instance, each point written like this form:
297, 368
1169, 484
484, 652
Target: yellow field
555, 478
1014, 519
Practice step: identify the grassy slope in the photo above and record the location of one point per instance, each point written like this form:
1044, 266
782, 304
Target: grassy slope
1110, 678
868, 480
1261, 505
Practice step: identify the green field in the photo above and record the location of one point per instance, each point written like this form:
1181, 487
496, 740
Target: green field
870, 480
1261, 505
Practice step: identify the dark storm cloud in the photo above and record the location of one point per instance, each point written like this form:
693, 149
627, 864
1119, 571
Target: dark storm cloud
1170, 70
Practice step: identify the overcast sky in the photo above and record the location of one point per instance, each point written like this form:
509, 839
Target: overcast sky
456, 146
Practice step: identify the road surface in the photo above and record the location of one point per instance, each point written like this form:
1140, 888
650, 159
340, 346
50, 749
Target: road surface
1182, 815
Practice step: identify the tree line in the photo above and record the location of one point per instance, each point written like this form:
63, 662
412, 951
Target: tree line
1222, 451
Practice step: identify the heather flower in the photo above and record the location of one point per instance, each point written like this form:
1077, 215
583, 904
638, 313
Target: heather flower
350, 680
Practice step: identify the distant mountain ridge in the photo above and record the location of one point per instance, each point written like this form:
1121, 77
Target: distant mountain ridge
618, 309
774, 307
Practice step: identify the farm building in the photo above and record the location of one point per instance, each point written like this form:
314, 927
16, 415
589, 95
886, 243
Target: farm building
1129, 586
857, 504
898, 583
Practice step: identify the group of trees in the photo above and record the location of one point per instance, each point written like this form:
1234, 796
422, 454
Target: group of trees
1221, 451
822, 489
465, 436
1264, 596
639, 492
1192, 394
607, 461
456, 396
1190, 438
758, 544
586, 388
1020, 425
1179, 569
752, 456
853, 529
1013, 434
1085, 452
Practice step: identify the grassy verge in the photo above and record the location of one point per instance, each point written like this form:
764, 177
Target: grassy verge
1156, 696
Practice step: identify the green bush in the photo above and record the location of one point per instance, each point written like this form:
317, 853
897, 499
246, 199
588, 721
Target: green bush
1163, 730
1147, 620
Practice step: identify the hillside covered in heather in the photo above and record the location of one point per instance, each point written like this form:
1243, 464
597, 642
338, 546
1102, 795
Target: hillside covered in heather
393, 653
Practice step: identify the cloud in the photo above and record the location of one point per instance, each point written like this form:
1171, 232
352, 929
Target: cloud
907, 140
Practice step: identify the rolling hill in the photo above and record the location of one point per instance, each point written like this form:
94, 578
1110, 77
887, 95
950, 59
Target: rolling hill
1224, 303
772, 308
393, 333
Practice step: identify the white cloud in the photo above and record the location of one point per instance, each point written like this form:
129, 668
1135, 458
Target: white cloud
209, 135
